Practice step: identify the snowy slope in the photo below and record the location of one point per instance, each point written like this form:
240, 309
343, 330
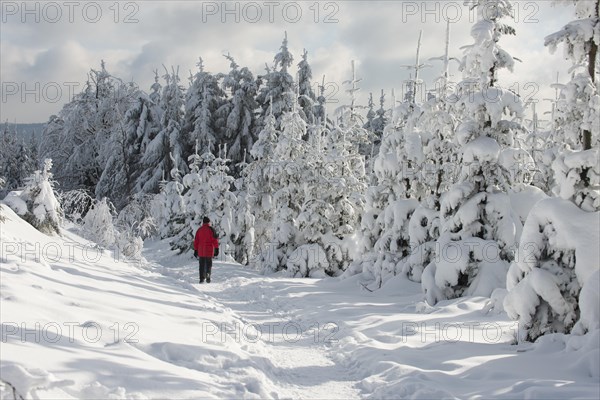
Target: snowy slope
250, 336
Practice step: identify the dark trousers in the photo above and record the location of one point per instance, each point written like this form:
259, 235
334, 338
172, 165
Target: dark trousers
205, 268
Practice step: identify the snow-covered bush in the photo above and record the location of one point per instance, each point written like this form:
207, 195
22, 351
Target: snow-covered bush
577, 176
120, 233
98, 224
37, 203
558, 254
137, 217
479, 232
75, 204
128, 242
308, 261
423, 231
589, 305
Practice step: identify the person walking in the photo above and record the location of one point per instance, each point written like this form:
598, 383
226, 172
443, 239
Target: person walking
206, 246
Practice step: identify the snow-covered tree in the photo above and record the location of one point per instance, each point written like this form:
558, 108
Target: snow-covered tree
320, 111
581, 39
476, 218
140, 126
207, 193
285, 178
557, 255
78, 139
136, 218
156, 89
240, 111
380, 121
168, 144
245, 217
277, 96
384, 224
16, 160
168, 208
260, 189
172, 118
203, 100
558, 252
334, 186
37, 203
222, 203
129, 140
370, 114
98, 224
306, 95
75, 204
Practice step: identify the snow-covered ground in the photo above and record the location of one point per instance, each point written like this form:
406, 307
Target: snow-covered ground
77, 323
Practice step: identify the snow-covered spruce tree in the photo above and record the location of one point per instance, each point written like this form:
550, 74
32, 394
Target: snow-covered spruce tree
286, 177
207, 193
435, 126
245, 218
558, 254
381, 120
260, 189
168, 144
16, 159
113, 97
131, 136
156, 89
37, 203
128, 141
334, 194
370, 114
222, 203
384, 224
306, 95
78, 138
51, 141
320, 109
239, 111
194, 192
145, 117
173, 100
203, 123
168, 208
542, 143
376, 122
479, 230
278, 93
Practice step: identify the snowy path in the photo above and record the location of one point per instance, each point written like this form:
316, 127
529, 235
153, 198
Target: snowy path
272, 325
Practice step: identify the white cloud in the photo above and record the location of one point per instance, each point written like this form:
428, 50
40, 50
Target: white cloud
380, 36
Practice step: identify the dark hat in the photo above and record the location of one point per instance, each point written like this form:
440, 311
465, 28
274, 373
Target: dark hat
205, 220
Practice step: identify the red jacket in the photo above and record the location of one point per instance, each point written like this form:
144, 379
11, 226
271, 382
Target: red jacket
205, 241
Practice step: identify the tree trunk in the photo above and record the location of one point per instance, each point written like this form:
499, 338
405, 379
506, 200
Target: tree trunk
587, 135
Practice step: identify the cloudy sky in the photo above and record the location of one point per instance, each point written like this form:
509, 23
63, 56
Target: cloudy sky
47, 48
